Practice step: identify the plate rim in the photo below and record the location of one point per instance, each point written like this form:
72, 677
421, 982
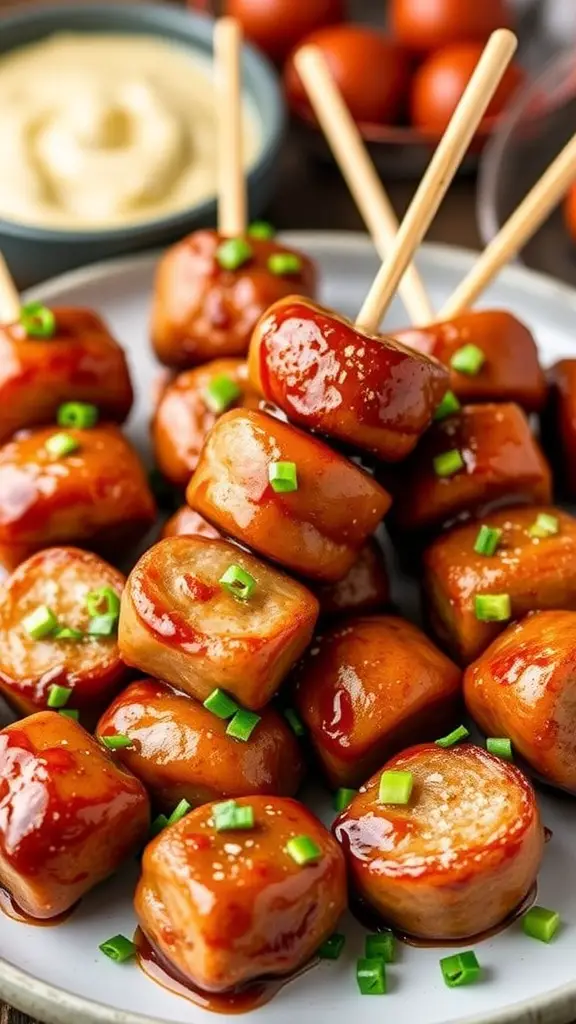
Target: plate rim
57, 1005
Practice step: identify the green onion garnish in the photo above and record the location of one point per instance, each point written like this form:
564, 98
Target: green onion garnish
448, 406
220, 704
544, 525
221, 393
294, 722
103, 601
448, 463
343, 797
371, 976
229, 816
500, 747
283, 477
284, 263
81, 415
261, 229
233, 253
180, 811
69, 713
469, 360
541, 924
460, 969
487, 540
102, 625
238, 582
395, 787
242, 725
492, 607
331, 948
60, 445
116, 742
158, 825
58, 696
68, 633
40, 623
118, 948
37, 320
381, 946
303, 850
453, 737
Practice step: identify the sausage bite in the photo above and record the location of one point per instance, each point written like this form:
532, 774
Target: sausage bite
482, 457
187, 522
364, 588
524, 687
79, 362
455, 860
77, 486
181, 750
204, 614
481, 575
314, 521
224, 905
367, 391
210, 291
559, 424
369, 685
69, 816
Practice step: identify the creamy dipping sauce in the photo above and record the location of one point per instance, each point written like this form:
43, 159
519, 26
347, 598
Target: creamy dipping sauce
105, 130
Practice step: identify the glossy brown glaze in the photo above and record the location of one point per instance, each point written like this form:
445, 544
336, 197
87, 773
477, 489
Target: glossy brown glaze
459, 857
536, 573
510, 372
365, 390
186, 521
69, 816
524, 687
364, 588
369, 686
227, 907
181, 751
559, 425
178, 624
315, 531
98, 495
81, 363
11, 556
503, 465
202, 312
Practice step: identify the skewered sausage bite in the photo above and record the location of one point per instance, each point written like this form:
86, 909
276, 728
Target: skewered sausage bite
532, 566
204, 614
181, 750
69, 816
315, 524
524, 687
560, 424
210, 291
369, 686
455, 860
368, 391
224, 906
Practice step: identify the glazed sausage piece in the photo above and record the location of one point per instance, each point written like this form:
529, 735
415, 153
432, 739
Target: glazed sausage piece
534, 566
180, 623
459, 857
315, 529
96, 495
187, 522
69, 816
80, 362
366, 390
524, 687
182, 751
202, 311
364, 588
482, 457
559, 425
11, 556
59, 581
504, 369
189, 407
366, 688
259, 912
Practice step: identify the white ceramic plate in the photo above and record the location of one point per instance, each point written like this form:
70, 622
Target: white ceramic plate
57, 974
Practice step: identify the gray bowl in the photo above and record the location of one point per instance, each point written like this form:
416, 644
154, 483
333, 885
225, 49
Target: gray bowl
35, 253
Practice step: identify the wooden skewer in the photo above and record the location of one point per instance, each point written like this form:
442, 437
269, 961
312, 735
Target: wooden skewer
231, 182
359, 172
523, 223
10, 304
442, 168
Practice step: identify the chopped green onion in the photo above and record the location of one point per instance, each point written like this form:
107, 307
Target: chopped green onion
179, 812
69, 713
381, 946
303, 850
284, 263
220, 704
294, 722
331, 948
343, 797
68, 633
60, 445
395, 787
448, 406
158, 825
103, 625
453, 737
229, 816
469, 360
103, 601
487, 540
500, 747
460, 969
492, 607
242, 725
371, 976
40, 623
283, 477
261, 229
544, 525
238, 582
117, 742
37, 320
119, 948
233, 253
81, 415
58, 696
448, 463
221, 393
541, 924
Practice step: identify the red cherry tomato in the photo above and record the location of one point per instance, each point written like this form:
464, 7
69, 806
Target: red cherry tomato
440, 81
276, 26
370, 69
570, 212
425, 25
